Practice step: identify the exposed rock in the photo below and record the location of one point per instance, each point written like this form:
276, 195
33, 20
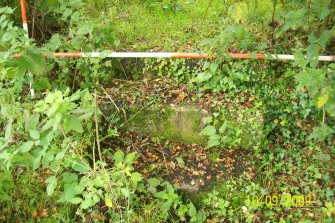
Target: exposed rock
161, 108
174, 122
189, 188
184, 123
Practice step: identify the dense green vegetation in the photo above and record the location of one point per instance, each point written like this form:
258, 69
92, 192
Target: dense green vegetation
67, 154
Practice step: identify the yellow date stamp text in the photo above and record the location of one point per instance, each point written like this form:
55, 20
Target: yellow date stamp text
284, 200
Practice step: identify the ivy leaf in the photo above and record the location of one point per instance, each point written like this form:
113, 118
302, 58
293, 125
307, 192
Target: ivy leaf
208, 130
213, 67
206, 120
34, 134
223, 127
180, 161
192, 210
154, 182
213, 141
321, 132
202, 77
86, 203
166, 206
76, 200
322, 157
52, 182
26, 147
312, 79
240, 76
85, 29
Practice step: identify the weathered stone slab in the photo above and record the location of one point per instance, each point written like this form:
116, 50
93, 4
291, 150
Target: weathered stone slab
165, 109
181, 123
184, 123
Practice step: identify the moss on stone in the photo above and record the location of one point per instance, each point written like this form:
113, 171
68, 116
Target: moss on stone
174, 122
184, 123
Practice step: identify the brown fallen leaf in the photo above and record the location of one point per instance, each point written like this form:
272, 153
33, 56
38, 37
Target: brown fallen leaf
34, 213
44, 213
196, 173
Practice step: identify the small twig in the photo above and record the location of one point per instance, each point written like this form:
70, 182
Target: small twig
94, 163
110, 98
96, 124
326, 169
74, 78
323, 116
143, 156
123, 80
65, 137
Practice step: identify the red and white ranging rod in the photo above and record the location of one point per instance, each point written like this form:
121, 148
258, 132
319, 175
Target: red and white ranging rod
176, 55
25, 27
157, 54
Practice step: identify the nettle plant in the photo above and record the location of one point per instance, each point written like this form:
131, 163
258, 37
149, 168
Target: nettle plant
54, 132
320, 85
312, 77
315, 78
57, 130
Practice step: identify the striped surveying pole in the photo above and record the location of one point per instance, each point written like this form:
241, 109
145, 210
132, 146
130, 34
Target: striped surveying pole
25, 27
156, 54
283, 57
24, 16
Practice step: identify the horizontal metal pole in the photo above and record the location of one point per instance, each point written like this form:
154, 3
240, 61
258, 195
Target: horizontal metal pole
176, 55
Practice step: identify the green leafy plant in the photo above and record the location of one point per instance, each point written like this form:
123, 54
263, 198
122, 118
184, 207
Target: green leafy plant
221, 77
172, 200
